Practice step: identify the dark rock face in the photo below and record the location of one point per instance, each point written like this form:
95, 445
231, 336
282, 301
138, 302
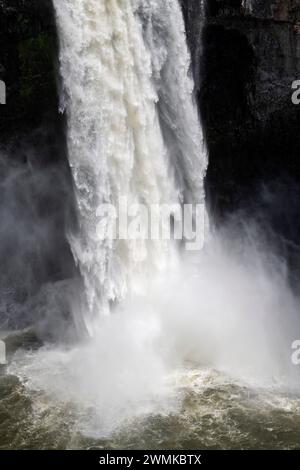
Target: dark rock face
250, 57
245, 56
28, 50
278, 10
35, 185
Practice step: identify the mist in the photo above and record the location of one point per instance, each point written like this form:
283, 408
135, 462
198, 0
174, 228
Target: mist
229, 308
35, 208
126, 329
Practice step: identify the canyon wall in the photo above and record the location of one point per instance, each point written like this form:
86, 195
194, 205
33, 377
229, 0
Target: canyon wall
245, 56
249, 58
36, 198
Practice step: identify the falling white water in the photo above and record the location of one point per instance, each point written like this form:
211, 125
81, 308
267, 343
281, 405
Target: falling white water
208, 342
164, 32
249, 6
133, 131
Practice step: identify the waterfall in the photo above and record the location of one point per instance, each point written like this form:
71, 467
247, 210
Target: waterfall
133, 131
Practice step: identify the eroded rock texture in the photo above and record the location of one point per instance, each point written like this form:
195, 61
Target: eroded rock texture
249, 57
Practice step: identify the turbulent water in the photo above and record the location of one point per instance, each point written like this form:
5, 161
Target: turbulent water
186, 350
212, 411
202, 361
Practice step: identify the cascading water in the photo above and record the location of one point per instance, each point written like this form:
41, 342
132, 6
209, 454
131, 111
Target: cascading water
201, 358
133, 131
